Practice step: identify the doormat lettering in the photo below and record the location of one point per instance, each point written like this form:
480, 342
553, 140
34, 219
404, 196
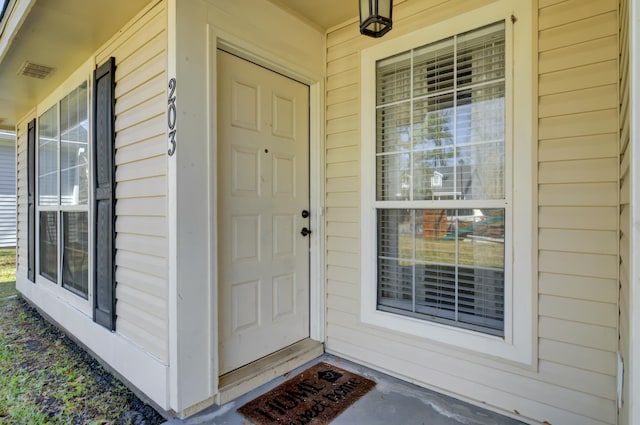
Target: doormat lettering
314, 397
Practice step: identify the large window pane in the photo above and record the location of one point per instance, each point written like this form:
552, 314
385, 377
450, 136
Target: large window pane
443, 141
63, 181
443, 264
74, 170
48, 157
75, 252
48, 252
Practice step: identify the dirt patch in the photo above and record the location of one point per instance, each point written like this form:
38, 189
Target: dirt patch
45, 378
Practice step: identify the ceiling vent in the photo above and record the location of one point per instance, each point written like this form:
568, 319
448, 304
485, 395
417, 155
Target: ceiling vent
30, 69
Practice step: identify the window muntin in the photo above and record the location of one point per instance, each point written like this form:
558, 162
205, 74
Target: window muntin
440, 142
63, 192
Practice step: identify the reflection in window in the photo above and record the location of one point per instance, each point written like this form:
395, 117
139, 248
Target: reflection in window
63, 191
75, 262
49, 245
48, 157
443, 264
440, 137
440, 112
74, 139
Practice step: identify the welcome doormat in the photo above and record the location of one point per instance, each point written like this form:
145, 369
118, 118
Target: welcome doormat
314, 397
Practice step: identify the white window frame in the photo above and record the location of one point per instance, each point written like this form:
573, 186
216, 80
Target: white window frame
520, 160
83, 74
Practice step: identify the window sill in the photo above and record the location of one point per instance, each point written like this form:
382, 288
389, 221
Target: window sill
76, 301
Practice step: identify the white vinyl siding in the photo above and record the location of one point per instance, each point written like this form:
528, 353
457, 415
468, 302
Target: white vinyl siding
574, 380
624, 332
22, 220
578, 177
141, 180
140, 49
7, 192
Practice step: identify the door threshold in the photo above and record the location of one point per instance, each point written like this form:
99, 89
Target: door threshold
240, 381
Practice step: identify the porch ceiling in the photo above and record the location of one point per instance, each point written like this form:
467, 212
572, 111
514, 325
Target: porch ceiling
61, 34
323, 14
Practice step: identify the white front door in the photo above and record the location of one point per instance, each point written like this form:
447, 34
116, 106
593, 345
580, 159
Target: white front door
263, 189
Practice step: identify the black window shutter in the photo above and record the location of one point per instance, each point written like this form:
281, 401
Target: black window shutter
104, 298
31, 200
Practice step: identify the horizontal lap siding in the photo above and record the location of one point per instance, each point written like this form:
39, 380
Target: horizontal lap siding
625, 220
22, 198
141, 181
575, 378
7, 195
578, 177
578, 180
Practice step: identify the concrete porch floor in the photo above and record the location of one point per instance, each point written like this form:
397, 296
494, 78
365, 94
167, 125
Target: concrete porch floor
391, 402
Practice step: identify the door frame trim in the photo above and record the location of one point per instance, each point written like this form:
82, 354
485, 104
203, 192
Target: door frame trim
218, 39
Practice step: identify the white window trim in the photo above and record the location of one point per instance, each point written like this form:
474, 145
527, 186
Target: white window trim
84, 73
517, 343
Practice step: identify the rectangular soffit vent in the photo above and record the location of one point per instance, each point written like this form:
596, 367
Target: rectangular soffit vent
30, 69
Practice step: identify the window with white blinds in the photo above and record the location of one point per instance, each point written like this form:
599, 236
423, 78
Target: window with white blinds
441, 195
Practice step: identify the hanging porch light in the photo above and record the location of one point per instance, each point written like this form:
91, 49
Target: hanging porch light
375, 17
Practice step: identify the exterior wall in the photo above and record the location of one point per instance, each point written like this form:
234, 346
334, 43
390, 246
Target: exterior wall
260, 31
625, 210
22, 198
574, 380
7, 193
578, 175
138, 349
141, 180
630, 413
164, 343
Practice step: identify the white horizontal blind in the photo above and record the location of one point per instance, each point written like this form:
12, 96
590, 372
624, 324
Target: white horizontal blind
440, 147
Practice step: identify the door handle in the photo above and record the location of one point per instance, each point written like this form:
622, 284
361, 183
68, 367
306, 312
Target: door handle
305, 214
305, 231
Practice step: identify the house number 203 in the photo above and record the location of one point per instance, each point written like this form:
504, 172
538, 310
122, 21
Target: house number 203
172, 116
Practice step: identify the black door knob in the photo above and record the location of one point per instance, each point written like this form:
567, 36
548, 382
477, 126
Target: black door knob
305, 231
305, 214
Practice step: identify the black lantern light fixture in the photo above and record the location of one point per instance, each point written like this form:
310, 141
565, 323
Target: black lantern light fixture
375, 17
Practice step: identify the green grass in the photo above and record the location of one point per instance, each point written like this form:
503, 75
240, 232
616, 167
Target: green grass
7, 273
45, 378
7, 265
469, 252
